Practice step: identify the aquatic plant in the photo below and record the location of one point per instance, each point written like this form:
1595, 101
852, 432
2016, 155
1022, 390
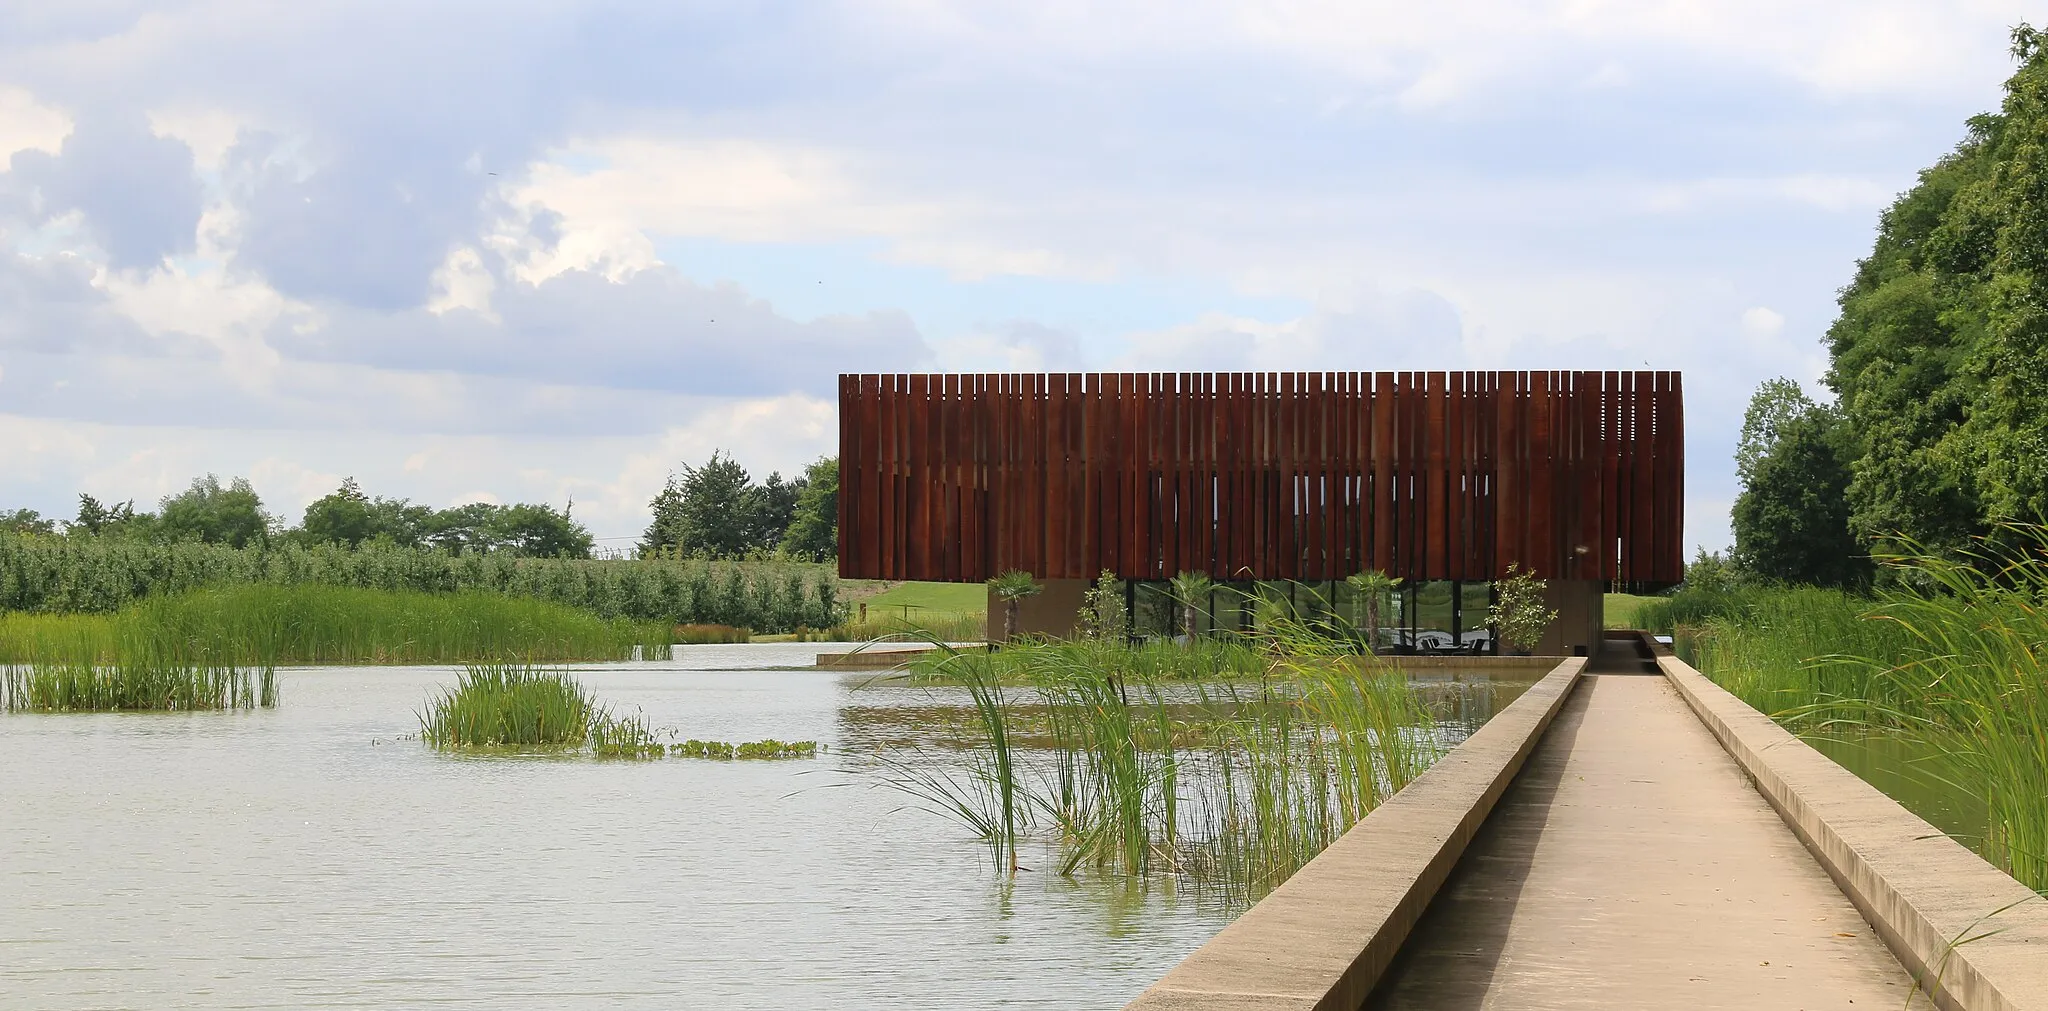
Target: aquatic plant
135, 686
510, 705
1124, 765
726, 751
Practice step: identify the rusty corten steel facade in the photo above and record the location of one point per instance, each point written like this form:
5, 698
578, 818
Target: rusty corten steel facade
1311, 476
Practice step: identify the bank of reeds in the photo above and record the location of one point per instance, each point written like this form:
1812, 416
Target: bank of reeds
1121, 764
314, 624
1955, 665
62, 575
135, 685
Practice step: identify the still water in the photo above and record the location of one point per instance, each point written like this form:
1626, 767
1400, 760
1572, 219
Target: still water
318, 855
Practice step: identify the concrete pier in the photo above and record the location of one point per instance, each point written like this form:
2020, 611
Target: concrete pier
1633, 866
1628, 835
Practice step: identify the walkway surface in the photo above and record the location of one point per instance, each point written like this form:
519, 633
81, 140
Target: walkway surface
1632, 865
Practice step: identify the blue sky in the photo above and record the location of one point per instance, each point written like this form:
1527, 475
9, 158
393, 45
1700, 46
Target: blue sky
548, 251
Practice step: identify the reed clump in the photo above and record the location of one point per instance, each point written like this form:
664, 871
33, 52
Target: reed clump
1122, 761
136, 686
510, 706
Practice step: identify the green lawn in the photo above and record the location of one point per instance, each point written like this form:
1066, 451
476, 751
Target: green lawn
958, 598
1618, 610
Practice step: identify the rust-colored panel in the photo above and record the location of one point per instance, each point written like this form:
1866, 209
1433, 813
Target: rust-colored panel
1267, 475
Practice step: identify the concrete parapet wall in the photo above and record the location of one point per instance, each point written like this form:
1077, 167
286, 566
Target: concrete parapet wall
1921, 891
1326, 936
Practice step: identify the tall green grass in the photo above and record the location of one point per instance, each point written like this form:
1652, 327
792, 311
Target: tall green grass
1955, 665
523, 707
1120, 761
61, 575
315, 624
135, 686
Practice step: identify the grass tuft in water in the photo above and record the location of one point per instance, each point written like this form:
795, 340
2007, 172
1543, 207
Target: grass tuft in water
162, 686
510, 705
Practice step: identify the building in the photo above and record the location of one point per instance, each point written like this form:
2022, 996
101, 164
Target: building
1430, 477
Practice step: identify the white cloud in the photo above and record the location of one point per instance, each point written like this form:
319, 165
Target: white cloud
29, 125
1762, 321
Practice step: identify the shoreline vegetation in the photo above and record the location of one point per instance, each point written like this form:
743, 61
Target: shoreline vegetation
1952, 667
64, 575
269, 625
1118, 760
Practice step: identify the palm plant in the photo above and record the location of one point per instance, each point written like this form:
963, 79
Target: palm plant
1371, 586
1011, 588
1191, 590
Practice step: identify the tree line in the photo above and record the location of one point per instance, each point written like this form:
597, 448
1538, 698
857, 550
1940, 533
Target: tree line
715, 510
233, 515
1937, 436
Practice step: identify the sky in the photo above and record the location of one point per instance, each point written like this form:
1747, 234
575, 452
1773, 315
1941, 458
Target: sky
552, 251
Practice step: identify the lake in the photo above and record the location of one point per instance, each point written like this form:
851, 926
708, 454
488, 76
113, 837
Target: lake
318, 854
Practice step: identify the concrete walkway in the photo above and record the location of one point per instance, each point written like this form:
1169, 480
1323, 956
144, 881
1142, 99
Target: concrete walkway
1632, 865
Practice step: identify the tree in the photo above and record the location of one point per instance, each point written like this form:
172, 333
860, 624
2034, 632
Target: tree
538, 531
1939, 357
1011, 588
1371, 587
1191, 590
710, 510
770, 509
814, 533
347, 516
534, 531
1791, 520
96, 519
26, 521
208, 512
339, 517
1519, 615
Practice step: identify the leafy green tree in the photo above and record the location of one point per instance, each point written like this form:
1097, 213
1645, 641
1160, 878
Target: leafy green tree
214, 514
1792, 518
713, 510
538, 531
26, 521
462, 529
1940, 353
339, 517
814, 533
347, 516
97, 519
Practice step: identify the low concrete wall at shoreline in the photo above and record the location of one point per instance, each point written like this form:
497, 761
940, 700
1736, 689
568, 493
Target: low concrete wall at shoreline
1325, 937
1973, 936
